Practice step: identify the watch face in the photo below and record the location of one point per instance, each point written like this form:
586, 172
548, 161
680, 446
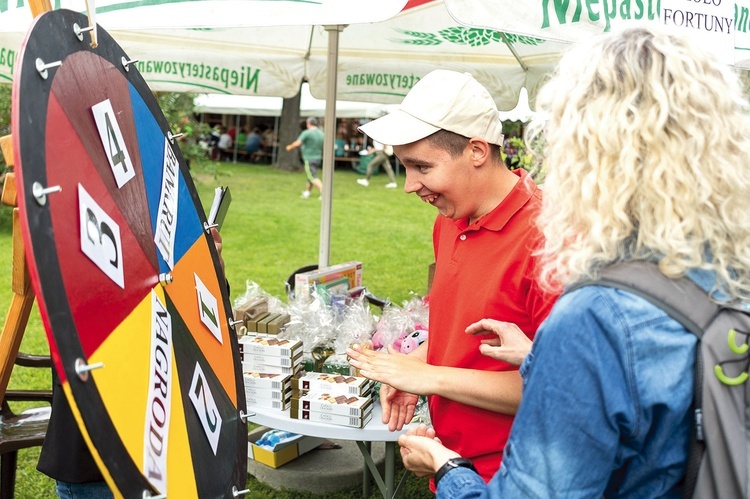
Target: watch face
128, 281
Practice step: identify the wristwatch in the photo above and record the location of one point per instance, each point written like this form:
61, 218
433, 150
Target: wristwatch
456, 462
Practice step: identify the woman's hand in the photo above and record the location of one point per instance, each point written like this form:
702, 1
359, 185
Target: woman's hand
422, 452
511, 344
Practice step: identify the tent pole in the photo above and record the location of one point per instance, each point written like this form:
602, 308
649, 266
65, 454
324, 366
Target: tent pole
274, 147
236, 134
515, 54
328, 144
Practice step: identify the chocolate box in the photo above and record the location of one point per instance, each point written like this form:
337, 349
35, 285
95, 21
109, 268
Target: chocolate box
270, 360
268, 368
270, 346
267, 393
260, 402
347, 405
335, 384
272, 381
334, 419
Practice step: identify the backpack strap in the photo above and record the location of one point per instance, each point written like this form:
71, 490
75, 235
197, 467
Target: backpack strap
681, 299
685, 302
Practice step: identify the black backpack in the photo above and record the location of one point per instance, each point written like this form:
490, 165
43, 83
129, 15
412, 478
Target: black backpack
720, 448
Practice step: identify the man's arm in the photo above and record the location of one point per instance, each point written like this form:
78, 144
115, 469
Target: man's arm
491, 390
297, 143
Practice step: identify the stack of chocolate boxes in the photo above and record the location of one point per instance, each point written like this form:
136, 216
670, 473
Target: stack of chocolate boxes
332, 398
268, 365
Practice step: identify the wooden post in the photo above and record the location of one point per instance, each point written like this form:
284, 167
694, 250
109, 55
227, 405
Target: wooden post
23, 295
39, 6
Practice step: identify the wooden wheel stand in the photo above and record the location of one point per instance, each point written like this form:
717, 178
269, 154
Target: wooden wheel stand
28, 427
23, 295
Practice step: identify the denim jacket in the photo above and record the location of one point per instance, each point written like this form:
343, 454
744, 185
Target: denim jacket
607, 413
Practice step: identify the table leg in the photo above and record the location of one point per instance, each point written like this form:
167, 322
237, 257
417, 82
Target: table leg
390, 465
370, 463
366, 473
387, 488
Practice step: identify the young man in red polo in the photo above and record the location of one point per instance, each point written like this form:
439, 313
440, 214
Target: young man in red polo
447, 133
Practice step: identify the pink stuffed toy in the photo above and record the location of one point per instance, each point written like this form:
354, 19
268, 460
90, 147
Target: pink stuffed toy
413, 340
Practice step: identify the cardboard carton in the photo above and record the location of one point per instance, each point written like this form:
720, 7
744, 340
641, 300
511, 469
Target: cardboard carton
264, 403
267, 393
277, 325
295, 368
273, 381
334, 419
250, 344
347, 405
282, 455
335, 384
270, 360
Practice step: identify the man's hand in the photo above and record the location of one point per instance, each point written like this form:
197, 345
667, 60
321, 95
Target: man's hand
511, 344
407, 373
422, 452
398, 407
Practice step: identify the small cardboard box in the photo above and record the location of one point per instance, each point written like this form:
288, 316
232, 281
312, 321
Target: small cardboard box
283, 455
270, 346
270, 360
252, 323
277, 325
335, 384
265, 403
334, 419
271, 369
273, 381
263, 323
267, 393
347, 405
250, 310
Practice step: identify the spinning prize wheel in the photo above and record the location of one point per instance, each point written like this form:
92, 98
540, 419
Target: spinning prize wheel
126, 274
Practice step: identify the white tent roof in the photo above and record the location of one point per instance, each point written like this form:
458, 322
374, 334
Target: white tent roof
271, 106
248, 105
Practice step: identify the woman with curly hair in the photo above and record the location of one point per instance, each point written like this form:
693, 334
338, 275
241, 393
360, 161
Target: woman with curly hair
646, 144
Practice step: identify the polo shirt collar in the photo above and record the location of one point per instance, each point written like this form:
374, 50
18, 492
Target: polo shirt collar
497, 218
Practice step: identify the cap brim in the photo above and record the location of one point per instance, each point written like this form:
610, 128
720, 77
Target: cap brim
398, 128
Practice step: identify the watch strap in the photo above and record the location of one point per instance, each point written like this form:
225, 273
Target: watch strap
456, 462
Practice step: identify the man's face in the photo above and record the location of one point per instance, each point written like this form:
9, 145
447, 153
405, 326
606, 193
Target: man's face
438, 178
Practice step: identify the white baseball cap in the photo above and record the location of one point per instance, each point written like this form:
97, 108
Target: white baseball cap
442, 99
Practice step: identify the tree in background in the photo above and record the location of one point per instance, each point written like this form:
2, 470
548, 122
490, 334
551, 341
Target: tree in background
178, 110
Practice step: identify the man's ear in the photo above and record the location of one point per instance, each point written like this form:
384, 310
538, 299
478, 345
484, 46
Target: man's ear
479, 150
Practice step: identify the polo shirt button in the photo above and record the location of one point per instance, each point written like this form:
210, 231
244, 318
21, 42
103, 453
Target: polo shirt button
462, 237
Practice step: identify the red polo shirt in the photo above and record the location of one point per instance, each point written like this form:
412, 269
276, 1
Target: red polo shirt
483, 270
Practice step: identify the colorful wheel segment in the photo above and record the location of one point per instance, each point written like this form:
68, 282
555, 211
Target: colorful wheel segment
127, 277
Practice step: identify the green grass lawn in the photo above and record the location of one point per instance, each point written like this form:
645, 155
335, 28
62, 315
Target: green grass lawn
270, 232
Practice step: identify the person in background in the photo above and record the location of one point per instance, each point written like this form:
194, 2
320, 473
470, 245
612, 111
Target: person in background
242, 136
225, 142
606, 408
311, 142
381, 158
213, 143
447, 133
253, 143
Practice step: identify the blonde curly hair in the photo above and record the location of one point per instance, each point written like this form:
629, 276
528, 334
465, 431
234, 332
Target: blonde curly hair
647, 150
